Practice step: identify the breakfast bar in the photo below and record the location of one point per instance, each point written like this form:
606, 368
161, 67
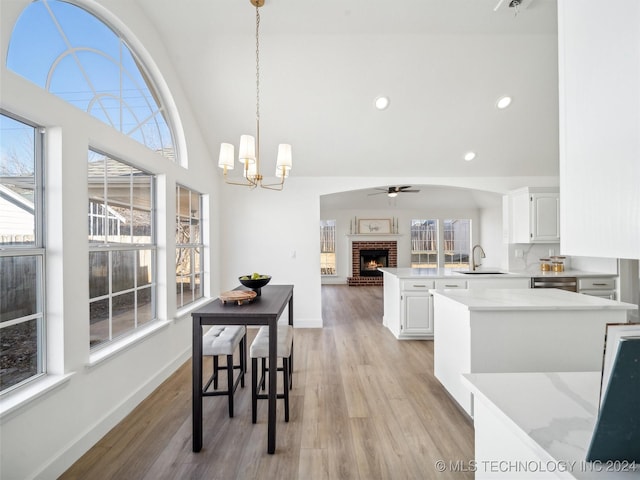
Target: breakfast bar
518, 330
266, 309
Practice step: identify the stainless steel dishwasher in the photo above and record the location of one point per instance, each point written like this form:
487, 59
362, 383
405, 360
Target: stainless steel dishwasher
563, 283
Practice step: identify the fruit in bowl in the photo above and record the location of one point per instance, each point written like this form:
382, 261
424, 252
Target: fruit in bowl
255, 281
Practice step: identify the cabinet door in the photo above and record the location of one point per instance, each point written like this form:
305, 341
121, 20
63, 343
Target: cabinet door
417, 314
545, 217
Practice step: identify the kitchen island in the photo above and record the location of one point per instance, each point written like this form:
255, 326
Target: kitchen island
538, 425
408, 303
517, 330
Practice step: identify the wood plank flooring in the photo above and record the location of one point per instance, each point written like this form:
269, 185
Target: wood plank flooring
364, 406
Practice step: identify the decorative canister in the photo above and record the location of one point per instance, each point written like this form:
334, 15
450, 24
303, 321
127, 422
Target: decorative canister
557, 263
545, 264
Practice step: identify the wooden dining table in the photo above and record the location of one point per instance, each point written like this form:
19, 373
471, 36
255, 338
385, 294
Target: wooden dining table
265, 309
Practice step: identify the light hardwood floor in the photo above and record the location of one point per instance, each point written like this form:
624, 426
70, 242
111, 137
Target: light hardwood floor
364, 406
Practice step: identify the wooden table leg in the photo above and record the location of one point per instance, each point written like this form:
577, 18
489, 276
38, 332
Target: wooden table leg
273, 384
196, 362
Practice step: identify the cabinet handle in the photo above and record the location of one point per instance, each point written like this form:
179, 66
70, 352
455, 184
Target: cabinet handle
452, 286
421, 286
600, 284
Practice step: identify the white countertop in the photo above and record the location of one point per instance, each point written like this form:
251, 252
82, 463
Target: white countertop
448, 273
529, 299
566, 273
555, 413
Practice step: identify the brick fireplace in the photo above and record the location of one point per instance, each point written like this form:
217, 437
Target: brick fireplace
375, 248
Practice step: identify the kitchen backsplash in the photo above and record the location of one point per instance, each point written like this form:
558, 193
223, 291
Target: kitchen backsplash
526, 256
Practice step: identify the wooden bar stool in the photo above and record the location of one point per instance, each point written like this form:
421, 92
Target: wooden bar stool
260, 349
223, 340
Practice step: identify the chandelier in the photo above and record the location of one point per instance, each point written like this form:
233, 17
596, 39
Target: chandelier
249, 150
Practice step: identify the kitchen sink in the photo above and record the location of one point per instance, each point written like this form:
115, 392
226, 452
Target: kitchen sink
485, 272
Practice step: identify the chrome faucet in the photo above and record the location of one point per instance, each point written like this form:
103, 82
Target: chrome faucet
473, 256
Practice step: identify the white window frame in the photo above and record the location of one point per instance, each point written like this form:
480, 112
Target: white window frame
109, 247
36, 250
195, 268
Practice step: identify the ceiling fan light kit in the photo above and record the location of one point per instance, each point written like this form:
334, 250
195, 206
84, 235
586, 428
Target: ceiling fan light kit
249, 151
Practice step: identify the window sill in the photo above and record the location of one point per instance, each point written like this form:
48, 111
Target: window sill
115, 347
186, 310
14, 401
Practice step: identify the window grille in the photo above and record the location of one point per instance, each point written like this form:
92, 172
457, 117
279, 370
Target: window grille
22, 254
424, 243
82, 60
189, 246
122, 251
327, 247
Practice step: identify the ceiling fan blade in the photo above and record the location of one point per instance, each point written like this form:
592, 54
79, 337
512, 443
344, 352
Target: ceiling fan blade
409, 191
403, 188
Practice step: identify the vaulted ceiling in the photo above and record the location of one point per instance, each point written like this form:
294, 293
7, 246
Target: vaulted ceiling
442, 63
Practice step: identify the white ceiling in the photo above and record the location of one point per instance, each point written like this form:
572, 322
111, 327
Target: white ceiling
443, 63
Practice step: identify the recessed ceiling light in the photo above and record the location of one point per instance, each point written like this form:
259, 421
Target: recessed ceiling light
382, 103
503, 102
469, 156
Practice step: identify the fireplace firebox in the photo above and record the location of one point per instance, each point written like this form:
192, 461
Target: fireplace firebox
371, 260
371, 276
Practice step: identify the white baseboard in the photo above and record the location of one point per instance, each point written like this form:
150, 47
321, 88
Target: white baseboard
70, 453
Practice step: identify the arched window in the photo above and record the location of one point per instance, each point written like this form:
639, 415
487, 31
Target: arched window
76, 56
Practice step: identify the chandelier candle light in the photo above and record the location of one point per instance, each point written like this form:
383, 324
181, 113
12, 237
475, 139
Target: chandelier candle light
249, 151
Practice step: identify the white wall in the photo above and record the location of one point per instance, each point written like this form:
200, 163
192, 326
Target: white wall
42, 438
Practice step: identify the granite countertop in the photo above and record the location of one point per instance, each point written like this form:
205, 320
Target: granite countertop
529, 299
554, 413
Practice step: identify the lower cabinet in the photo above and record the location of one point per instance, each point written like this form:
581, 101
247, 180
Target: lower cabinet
416, 313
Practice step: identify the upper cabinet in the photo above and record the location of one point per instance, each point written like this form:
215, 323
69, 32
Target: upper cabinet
532, 215
599, 102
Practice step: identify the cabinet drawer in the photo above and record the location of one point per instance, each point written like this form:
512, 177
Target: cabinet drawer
451, 284
416, 285
607, 283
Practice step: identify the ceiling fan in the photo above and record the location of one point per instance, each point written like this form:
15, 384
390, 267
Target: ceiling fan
394, 191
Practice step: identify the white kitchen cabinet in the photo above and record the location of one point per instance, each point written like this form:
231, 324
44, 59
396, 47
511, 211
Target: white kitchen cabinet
599, 125
502, 282
417, 313
532, 215
408, 308
448, 283
603, 287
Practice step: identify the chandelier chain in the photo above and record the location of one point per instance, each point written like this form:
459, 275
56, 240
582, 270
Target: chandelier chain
257, 63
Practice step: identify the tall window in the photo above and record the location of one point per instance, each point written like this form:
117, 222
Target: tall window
457, 243
327, 247
22, 316
189, 246
424, 243
121, 248
76, 56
